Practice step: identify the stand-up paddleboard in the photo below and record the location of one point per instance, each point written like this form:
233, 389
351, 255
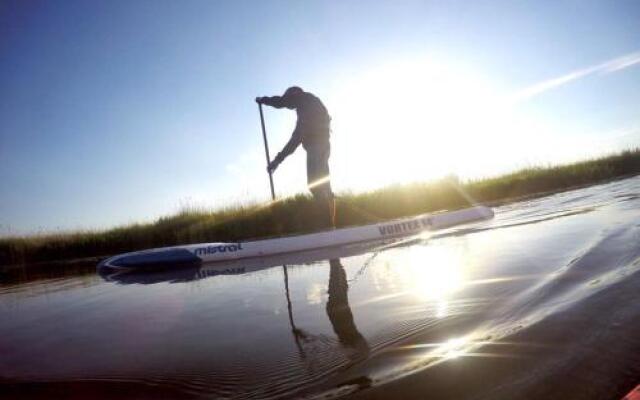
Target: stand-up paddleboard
242, 266
210, 252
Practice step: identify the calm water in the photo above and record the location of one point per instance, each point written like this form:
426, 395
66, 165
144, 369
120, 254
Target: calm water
541, 302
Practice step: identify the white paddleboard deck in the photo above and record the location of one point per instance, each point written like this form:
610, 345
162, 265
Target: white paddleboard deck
196, 254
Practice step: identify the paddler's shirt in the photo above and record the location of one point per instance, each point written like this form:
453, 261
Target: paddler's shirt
313, 126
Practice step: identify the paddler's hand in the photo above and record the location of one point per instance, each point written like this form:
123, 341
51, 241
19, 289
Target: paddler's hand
259, 100
273, 165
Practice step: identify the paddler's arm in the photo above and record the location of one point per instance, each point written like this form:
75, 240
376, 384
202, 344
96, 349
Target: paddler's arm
274, 101
290, 147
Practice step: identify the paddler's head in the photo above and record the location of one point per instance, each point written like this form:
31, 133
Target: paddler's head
292, 92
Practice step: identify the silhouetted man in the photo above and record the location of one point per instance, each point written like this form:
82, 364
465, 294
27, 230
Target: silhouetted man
312, 131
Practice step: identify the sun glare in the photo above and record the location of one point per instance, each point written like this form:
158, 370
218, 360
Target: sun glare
430, 274
433, 273
410, 121
453, 348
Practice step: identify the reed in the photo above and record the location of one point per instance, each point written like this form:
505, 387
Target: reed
292, 215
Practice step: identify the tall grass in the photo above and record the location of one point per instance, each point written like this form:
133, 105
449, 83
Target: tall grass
294, 215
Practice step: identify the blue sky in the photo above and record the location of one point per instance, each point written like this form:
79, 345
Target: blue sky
123, 111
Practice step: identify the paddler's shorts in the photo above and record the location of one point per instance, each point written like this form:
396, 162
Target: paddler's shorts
318, 179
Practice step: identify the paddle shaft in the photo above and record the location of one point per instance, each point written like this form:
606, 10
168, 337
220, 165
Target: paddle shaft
266, 151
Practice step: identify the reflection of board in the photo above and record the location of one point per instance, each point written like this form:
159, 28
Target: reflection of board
207, 252
633, 395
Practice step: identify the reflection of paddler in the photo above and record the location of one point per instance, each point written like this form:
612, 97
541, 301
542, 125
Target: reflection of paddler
339, 311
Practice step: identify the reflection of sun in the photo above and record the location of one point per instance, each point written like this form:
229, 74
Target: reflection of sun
429, 274
414, 120
433, 272
453, 348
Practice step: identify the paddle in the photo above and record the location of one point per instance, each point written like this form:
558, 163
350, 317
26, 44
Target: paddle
266, 151
296, 332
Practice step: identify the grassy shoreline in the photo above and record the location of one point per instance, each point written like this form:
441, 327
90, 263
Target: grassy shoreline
292, 215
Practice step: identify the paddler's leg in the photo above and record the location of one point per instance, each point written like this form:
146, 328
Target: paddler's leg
332, 210
325, 205
318, 181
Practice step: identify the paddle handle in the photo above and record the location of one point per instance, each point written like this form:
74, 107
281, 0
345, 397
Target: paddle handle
266, 151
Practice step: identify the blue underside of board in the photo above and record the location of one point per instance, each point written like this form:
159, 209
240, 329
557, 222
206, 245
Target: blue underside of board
157, 258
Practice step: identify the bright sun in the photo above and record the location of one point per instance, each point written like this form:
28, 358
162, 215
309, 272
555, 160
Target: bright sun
409, 121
